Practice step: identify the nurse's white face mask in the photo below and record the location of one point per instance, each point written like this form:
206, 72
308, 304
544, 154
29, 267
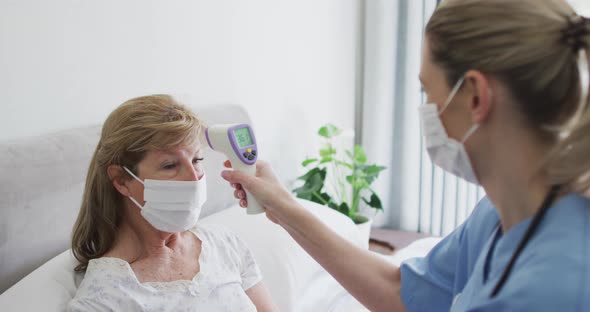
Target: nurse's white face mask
445, 152
172, 206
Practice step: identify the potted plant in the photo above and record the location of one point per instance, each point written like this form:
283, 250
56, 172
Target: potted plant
348, 188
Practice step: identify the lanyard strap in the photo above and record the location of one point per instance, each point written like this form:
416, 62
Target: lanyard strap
527, 236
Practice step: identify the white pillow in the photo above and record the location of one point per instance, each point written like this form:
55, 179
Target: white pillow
295, 281
49, 288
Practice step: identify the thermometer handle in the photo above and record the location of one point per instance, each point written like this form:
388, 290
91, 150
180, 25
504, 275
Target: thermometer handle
253, 206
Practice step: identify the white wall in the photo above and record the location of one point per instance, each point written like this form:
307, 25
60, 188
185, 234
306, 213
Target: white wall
582, 6
67, 63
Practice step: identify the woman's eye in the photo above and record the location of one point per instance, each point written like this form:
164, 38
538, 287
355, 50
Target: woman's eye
169, 166
197, 160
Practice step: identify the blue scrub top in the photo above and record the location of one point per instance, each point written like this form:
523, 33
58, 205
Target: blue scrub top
551, 274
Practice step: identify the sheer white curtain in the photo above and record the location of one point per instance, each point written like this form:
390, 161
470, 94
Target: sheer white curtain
416, 196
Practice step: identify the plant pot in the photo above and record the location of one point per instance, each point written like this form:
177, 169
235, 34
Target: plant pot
365, 232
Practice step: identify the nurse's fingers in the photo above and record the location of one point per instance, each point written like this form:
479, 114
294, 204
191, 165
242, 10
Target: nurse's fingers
237, 186
239, 194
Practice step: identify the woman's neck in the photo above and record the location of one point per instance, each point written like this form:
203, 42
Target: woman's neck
515, 200
512, 179
135, 242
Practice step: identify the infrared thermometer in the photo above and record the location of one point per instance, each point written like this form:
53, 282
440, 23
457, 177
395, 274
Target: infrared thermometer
238, 144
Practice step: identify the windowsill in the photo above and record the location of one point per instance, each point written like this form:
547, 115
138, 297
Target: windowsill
387, 242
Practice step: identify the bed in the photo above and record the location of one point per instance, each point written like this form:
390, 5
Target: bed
40, 191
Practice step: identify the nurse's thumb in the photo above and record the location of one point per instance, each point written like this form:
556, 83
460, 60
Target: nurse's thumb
239, 177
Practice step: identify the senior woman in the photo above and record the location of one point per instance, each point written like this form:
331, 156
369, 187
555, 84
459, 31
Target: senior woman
137, 237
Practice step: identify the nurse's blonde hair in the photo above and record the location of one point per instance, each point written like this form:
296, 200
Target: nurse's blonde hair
136, 126
538, 48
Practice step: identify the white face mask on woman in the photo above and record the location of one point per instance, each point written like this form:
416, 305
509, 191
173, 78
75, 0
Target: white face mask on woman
445, 152
172, 206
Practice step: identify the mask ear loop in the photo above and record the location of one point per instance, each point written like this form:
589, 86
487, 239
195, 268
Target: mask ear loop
469, 133
452, 95
136, 178
448, 101
475, 126
133, 175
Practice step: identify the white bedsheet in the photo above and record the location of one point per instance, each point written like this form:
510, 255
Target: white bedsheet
420, 248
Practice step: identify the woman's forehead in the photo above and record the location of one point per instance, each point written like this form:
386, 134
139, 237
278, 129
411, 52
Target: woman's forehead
178, 151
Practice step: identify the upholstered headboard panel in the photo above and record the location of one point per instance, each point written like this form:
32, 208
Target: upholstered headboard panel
41, 185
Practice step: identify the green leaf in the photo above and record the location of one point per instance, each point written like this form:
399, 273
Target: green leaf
360, 184
370, 179
345, 164
358, 172
308, 161
326, 160
303, 195
373, 169
321, 171
327, 151
375, 202
368, 172
329, 131
333, 205
359, 155
313, 184
349, 179
321, 198
344, 209
358, 219
349, 154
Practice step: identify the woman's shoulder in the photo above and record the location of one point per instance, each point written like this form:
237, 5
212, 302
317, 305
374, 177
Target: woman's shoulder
480, 224
573, 205
105, 272
102, 276
485, 212
557, 263
99, 266
563, 238
568, 222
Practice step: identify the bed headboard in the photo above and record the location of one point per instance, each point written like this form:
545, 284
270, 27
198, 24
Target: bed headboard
41, 184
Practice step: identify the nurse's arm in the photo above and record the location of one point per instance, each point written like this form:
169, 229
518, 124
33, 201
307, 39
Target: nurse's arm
373, 281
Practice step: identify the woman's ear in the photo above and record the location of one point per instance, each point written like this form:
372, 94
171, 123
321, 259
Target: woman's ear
481, 96
119, 179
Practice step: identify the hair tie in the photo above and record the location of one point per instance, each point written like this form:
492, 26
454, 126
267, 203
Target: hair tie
573, 35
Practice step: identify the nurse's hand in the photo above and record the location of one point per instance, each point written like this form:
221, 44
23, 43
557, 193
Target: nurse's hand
265, 186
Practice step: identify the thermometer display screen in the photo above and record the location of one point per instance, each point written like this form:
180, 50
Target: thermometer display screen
243, 137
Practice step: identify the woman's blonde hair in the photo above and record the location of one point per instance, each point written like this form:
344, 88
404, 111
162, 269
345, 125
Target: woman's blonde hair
136, 126
540, 50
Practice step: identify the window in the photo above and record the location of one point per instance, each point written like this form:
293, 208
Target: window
417, 195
